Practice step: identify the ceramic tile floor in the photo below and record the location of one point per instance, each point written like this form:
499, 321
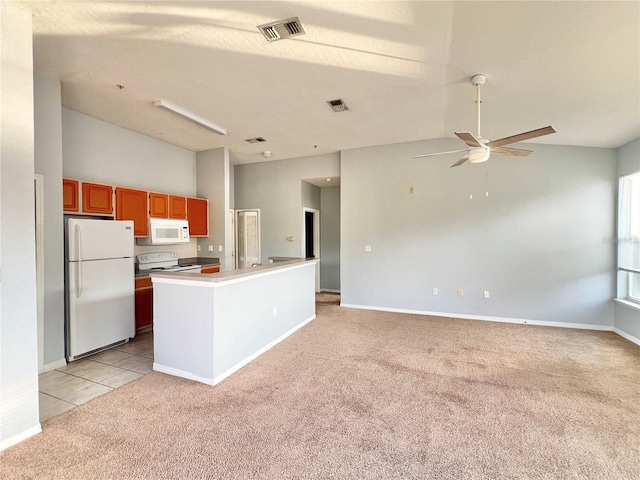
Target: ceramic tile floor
67, 387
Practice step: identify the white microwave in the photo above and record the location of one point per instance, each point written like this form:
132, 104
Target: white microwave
163, 231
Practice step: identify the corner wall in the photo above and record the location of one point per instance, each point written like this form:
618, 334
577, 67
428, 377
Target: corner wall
540, 243
213, 181
19, 417
48, 162
330, 239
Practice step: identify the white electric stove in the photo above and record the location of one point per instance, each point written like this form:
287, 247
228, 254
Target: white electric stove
163, 261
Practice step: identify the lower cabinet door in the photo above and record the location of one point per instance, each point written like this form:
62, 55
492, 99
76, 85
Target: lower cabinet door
144, 307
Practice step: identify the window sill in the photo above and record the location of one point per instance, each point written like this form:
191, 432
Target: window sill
627, 303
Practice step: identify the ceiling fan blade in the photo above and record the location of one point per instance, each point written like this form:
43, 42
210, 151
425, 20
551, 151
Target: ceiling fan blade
440, 153
512, 152
469, 139
521, 137
460, 162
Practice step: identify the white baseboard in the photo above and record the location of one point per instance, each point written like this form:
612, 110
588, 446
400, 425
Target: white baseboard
47, 367
629, 337
522, 321
10, 442
181, 373
329, 290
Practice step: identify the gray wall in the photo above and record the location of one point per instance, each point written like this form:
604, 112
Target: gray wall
274, 188
102, 152
627, 318
19, 416
538, 242
213, 182
310, 195
330, 238
629, 158
48, 162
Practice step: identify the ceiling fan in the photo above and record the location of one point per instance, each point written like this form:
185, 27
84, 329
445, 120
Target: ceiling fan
479, 148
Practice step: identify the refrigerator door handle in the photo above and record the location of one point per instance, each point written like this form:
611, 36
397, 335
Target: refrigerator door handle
78, 235
79, 280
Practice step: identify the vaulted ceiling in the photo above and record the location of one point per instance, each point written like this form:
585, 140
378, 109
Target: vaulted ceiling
402, 68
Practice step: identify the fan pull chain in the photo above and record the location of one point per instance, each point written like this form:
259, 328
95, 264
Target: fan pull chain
470, 194
486, 178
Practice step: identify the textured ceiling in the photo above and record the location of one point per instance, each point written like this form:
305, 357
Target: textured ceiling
402, 68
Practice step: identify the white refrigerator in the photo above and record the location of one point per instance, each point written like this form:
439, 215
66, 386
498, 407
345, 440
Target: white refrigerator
99, 284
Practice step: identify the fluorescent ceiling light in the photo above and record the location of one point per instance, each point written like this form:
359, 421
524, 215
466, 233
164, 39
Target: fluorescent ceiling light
203, 122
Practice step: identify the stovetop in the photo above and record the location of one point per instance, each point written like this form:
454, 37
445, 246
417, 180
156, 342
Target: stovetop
165, 261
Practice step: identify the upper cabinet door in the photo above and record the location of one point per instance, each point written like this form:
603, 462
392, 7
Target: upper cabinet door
159, 205
198, 216
132, 205
97, 198
177, 207
70, 195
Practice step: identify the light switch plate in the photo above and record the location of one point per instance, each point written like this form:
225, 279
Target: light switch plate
367, 248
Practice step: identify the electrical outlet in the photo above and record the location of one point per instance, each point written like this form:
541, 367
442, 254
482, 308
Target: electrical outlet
275, 311
461, 293
486, 294
199, 247
210, 248
367, 248
219, 248
435, 291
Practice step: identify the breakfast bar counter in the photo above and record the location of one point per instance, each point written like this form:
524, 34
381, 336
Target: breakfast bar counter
206, 327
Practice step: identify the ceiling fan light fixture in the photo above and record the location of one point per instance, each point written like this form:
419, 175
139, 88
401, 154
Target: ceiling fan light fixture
479, 155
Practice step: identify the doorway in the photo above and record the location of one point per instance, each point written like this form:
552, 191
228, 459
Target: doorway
311, 238
247, 238
310, 233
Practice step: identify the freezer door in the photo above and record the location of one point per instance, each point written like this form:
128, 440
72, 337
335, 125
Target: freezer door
89, 239
101, 304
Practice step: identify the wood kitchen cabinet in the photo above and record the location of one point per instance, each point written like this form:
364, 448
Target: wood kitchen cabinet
198, 216
132, 205
215, 269
158, 205
70, 195
177, 207
144, 303
97, 198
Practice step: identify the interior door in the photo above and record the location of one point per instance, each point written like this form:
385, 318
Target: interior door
248, 237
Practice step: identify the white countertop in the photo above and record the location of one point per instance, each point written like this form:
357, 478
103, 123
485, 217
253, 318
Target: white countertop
229, 275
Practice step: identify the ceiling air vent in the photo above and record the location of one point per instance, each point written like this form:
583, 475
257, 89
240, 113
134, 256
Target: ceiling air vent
338, 105
255, 140
291, 27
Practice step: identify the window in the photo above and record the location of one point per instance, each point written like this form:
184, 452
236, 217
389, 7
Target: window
629, 238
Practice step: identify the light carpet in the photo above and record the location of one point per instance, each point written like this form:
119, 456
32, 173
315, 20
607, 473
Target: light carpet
368, 395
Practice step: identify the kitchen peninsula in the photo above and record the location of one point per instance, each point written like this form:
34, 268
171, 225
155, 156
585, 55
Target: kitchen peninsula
206, 327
